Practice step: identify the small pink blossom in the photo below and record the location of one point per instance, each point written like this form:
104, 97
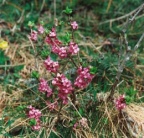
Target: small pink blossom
55, 49
52, 106
120, 102
75, 125
73, 48
34, 114
84, 77
43, 87
74, 25
48, 40
81, 123
33, 35
52, 33
40, 29
52, 41
51, 65
36, 127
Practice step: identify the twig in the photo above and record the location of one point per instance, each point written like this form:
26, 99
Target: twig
35, 54
128, 52
3, 66
54, 10
124, 16
73, 61
59, 111
138, 43
19, 21
42, 6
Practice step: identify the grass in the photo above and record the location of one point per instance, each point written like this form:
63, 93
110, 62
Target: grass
100, 41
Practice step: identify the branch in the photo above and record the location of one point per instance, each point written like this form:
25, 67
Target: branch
128, 52
138, 43
137, 10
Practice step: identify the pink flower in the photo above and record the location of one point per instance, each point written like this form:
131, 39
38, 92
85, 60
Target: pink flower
120, 102
52, 41
40, 29
55, 49
62, 53
48, 40
34, 114
74, 25
51, 65
36, 127
51, 38
73, 48
52, 33
81, 123
64, 87
52, 106
43, 87
84, 77
33, 35
75, 125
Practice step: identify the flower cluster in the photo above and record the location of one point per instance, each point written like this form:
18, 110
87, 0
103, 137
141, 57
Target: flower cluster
84, 77
34, 114
61, 51
64, 87
51, 66
120, 102
43, 87
73, 48
57, 48
33, 36
82, 122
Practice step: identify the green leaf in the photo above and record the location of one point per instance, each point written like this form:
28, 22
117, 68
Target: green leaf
81, 111
67, 38
21, 108
35, 74
61, 22
67, 10
31, 24
128, 99
42, 22
93, 70
45, 53
3, 58
32, 122
16, 75
18, 68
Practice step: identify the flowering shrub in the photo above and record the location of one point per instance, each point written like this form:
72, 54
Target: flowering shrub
62, 86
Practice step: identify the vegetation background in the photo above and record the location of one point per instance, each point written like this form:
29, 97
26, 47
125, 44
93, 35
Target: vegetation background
100, 37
